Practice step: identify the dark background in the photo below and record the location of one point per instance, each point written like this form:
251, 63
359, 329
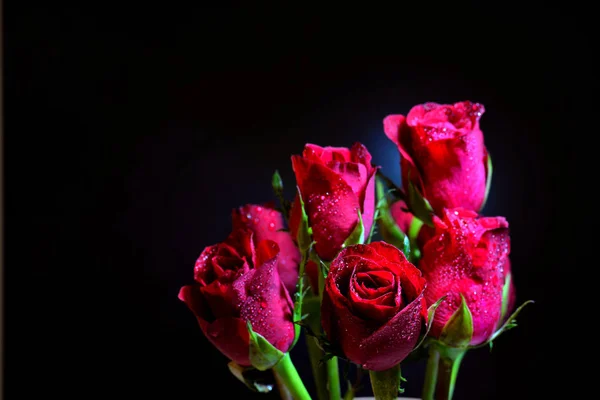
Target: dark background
133, 131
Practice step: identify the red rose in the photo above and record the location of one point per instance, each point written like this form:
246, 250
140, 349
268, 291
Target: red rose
238, 282
467, 256
442, 147
335, 183
373, 306
267, 223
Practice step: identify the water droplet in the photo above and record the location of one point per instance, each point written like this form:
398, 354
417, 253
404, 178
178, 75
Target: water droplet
263, 304
271, 226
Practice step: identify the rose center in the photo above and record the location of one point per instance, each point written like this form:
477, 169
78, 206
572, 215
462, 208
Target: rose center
380, 286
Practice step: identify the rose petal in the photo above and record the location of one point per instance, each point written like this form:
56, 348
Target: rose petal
265, 251
262, 299
390, 344
397, 130
360, 154
267, 223
380, 308
326, 155
364, 344
353, 174
194, 299
227, 334
242, 240
220, 299
230, 336
330, 203
374, 283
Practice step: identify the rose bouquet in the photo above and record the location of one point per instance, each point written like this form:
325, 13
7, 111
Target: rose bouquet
372, 275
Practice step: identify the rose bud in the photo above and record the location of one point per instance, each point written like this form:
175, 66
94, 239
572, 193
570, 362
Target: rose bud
238, 282
335, 183
466, 257
373, 307
267, 224
442, 148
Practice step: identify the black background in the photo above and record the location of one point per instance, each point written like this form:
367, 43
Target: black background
133, 131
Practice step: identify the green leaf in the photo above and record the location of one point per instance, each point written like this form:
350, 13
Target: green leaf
505, 296
430, 317
263, 355
390, 231
419, 205
251, 377
357, 235
458, 331
488, 181
304, 237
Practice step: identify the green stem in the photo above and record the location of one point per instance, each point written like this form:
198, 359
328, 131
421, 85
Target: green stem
315, 354
431, 373
284, 392
286, 371
333, 379
442, 369
447, 372
386, 384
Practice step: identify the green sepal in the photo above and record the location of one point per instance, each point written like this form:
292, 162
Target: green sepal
510, 323
263, 355
357, 236
419, 205
324, 268
390, 231
394, 190
304, 235
505, 296
251, 377
413, 233
458, 331
488, 179
430, 317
